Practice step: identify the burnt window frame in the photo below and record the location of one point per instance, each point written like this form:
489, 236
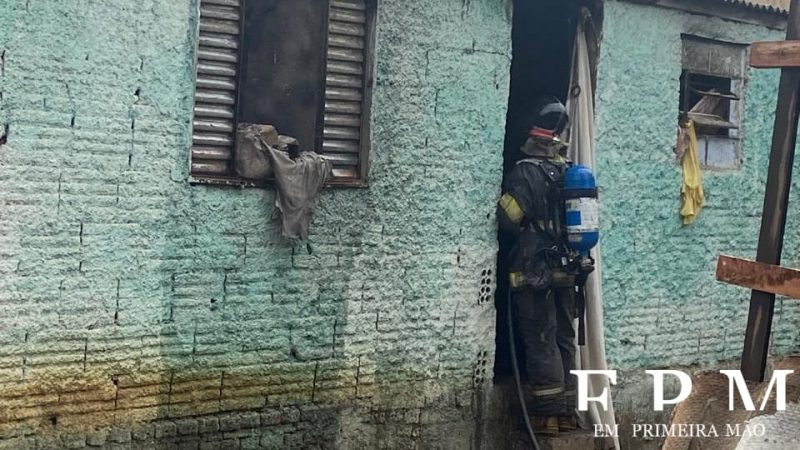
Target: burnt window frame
735, 74
365, 128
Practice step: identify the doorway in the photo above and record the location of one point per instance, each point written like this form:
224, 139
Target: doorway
542, 41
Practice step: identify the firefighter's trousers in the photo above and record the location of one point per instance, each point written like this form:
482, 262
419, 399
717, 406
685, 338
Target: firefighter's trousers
545, 325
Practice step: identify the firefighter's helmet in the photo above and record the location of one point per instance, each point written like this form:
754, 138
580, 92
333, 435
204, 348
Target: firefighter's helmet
545, 126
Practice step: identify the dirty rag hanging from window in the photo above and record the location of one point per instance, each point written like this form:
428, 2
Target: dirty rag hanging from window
262, 154
580, 106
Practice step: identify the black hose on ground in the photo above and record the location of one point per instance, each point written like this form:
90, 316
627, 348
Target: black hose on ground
515, 366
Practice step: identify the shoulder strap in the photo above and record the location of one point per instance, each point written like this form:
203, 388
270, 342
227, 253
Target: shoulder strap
534, 161
550, 172
540, 164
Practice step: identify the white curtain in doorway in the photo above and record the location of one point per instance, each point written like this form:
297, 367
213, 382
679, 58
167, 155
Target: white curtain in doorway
580, 104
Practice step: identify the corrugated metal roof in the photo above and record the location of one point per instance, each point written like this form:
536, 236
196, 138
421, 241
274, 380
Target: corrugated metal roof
781, 6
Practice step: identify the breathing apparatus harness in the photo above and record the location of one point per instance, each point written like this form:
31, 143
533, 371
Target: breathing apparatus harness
545, 241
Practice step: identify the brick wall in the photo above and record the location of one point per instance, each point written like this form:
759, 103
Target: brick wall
136, 309
663, 305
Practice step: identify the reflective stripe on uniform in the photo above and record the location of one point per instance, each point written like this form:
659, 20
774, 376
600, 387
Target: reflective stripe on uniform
560, 279
516, 279
512, 209
547, 392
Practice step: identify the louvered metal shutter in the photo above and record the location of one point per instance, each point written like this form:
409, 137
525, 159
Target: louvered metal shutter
215, 92
345, 86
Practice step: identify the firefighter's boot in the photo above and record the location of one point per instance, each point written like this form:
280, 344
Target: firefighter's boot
545, 426
567, 424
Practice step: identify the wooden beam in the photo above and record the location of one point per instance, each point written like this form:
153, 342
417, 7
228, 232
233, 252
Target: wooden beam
759, 276
775, 55
776, 204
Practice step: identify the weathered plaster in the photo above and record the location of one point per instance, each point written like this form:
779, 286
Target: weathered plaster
662, 304
128, 295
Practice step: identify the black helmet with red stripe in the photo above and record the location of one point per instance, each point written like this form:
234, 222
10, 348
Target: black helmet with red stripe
543, 128
548, 119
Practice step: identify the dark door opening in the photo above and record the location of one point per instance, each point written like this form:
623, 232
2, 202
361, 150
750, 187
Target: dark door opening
542, 40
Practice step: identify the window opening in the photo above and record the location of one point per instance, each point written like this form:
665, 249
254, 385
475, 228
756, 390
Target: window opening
252, 68
711, 95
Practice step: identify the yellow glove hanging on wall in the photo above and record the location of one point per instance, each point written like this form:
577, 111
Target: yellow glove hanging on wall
692, 196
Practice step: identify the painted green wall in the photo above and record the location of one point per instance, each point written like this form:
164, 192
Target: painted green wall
129, 296
663, 305
149, 298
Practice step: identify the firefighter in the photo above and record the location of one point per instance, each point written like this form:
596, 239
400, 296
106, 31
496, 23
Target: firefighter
542, 281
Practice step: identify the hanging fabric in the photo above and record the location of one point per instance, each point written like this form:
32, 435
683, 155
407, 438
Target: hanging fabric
692, 195
580, 105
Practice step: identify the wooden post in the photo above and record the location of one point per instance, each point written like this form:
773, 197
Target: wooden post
776, 201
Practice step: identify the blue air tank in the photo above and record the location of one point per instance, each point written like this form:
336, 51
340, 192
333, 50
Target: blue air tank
580, 195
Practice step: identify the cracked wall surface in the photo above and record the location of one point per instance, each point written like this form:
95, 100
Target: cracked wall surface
138, 310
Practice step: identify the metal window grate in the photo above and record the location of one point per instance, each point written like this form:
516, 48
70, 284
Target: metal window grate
345, 86
215, 92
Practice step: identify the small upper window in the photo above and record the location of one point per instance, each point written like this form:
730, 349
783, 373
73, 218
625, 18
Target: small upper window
712, 91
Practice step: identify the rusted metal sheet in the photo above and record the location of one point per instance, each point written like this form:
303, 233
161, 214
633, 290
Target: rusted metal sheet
775, 54
759, 276
780, 6
776, 204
